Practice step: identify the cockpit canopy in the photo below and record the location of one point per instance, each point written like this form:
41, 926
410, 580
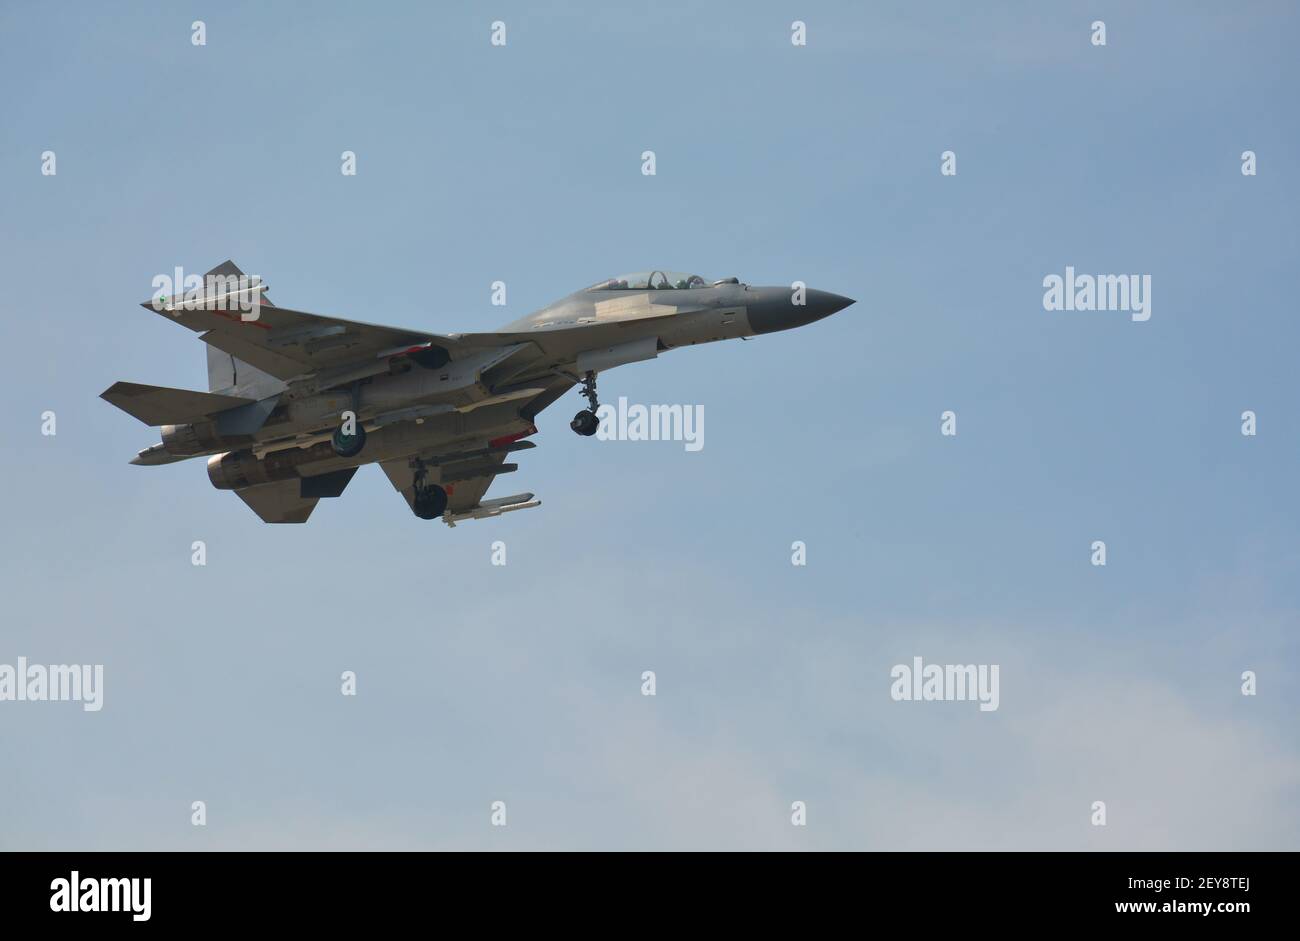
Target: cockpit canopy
652, 281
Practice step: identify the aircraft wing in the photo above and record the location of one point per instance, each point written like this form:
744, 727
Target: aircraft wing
464, 494
279, 341
466, 478
288, 343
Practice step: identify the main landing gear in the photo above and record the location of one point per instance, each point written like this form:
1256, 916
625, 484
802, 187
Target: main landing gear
429, 501
348, 445
585, 422
350, 436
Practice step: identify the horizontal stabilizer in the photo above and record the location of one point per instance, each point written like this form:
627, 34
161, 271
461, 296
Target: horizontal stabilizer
278, 502
157, 405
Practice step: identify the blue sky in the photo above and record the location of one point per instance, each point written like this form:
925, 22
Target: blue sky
774, 163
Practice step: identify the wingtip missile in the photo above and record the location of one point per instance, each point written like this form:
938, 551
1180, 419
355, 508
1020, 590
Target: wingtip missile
489, 508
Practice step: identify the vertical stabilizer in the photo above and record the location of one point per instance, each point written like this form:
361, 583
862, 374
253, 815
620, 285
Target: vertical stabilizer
231, 375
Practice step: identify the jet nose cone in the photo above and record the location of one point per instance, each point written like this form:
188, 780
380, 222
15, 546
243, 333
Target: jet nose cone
825, 303
783, 309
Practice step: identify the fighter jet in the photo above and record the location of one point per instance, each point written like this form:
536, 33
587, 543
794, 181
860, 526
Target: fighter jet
296, 402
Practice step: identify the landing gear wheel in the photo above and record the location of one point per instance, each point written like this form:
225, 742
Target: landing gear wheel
585, 423
430, 502
346, 445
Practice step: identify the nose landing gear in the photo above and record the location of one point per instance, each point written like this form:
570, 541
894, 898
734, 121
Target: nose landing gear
585, 422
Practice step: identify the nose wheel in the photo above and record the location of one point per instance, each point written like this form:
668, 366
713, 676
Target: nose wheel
585, 422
